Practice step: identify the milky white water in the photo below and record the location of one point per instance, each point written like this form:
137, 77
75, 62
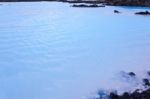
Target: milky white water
50, 50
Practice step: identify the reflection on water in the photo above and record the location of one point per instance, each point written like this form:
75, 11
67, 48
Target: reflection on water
50, 50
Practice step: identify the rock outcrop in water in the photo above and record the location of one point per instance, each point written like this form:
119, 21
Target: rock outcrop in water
85, 5
116, 11
143, 13
84, 1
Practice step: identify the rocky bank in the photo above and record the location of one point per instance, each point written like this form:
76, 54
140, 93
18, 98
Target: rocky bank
143, 93
145, 3
108, 2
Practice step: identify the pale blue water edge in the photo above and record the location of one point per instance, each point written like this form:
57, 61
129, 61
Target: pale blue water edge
53, 51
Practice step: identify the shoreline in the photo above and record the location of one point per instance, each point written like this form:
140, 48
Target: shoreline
139, 3
142, 92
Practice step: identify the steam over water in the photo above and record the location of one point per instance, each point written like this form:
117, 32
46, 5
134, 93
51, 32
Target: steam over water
53, 51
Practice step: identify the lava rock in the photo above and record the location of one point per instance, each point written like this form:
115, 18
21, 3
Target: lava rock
85, 5
113, 96
148, 73
135, 95
128, 2
132, 74
116, 11
146, 82
143, 13
125, 95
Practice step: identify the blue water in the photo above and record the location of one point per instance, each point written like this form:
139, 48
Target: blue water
50, 50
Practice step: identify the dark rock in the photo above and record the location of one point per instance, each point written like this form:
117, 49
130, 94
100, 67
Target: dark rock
146, 94
135, 95
116, 11
125, 95
93, 5
85, 5
146, 82
148, 73
128, 2
86, 1
132, 74
128, 76
113, 96
143, 13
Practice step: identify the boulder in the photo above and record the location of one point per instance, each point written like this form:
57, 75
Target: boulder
87, 5
113, 96
125, 95
148, 73
146, 82
132, 74
116, 11
143, 13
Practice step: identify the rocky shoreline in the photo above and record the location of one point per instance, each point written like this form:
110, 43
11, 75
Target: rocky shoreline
135, 95
144, 3
143, 93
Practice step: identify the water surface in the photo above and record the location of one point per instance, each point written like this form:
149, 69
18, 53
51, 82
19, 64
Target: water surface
50, 50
